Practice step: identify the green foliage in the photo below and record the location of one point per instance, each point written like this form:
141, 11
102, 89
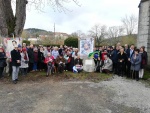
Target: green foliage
146, 75
132, 39
26, 41
47, 45
71, 41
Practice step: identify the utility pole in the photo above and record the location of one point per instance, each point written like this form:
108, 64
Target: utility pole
54, 34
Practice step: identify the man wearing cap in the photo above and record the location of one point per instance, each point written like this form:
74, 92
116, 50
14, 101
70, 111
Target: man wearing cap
16, 58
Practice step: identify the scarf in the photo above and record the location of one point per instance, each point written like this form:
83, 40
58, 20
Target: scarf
25, 56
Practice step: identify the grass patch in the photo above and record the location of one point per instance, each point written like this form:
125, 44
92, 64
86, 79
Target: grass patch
94, 77
146, 75
67, 76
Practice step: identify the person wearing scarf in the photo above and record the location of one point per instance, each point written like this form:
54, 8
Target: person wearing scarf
24, 62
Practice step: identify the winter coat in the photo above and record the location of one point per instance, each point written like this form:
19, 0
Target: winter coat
24, 62
100, 63
78, 62
41, 57
48, 59
129, 55
35, 56
144, 59
45, 52
103, 54
108, 64
136, 63
60, 51
58, 60
31, 55
55, 54
70, 63
114, 56
122, 57
15, 55
2, 59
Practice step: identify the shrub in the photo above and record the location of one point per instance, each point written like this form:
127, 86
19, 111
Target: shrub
26, 41
47, 45
71, 41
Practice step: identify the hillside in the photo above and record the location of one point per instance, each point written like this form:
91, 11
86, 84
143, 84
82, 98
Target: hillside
34, 32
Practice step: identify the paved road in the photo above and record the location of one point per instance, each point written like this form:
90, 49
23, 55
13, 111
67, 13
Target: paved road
115, 96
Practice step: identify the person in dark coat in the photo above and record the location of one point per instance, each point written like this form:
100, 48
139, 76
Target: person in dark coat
41, 59
60, 50
70, 63
2, 62
130, 53
99, 65
31, 57
135, 64
60, 61
143, 62
35, 59
122, 57
16, 62
114, 56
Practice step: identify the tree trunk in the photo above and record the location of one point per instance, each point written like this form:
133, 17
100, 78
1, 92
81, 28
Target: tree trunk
8, 22
7, 19
20, 16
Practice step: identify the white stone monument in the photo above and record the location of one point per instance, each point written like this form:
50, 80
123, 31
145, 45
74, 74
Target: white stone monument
86, 46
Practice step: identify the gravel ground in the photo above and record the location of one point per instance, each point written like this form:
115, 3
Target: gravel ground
118, 95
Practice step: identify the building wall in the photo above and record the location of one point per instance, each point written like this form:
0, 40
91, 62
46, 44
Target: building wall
143, 27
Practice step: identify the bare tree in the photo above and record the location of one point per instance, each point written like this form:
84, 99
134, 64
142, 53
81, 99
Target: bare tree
78, 34
14, 23
130, 24
98, 32
114, 34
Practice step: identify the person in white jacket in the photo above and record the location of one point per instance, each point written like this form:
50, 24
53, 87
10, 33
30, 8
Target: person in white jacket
24, 62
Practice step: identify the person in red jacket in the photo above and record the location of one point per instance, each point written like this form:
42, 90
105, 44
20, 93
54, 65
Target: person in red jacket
103, 54
49, 60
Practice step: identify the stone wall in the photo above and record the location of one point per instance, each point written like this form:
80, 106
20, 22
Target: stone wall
143, 27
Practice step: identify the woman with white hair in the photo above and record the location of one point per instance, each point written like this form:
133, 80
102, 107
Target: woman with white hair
55, 52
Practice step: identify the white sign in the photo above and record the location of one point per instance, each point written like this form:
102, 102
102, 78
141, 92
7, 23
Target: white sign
88, 62
9, 44
89, 65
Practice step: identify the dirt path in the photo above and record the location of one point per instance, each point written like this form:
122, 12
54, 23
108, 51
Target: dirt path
116, 96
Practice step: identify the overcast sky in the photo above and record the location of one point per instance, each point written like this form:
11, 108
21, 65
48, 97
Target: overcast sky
91, 12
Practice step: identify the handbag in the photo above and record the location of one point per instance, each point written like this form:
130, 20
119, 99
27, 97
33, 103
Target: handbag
26, 62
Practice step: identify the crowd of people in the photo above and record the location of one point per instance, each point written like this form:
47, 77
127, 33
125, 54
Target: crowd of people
121, 60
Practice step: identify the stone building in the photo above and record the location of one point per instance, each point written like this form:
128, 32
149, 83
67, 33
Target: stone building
144, 26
